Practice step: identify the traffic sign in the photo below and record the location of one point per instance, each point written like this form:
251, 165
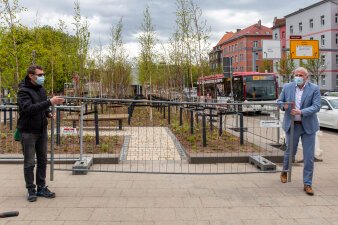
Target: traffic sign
297, 37
271, 49
304, 49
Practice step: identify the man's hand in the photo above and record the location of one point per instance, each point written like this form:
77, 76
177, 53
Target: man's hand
296, 112
50, 115
57, 100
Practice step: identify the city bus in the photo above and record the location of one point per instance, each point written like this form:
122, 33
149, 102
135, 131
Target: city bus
246, 87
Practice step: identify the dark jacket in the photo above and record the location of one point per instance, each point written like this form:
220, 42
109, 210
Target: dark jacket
33, 107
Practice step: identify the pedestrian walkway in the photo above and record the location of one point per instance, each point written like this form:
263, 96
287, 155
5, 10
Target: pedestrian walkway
145, 143
163, 199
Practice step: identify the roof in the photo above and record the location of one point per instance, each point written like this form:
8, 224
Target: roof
311, 6
253, 30
212, 77
225, 37
278, 22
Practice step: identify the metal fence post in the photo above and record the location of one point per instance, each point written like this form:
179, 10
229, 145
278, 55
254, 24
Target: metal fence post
11, 118
191, 121
210, 116
164, 111
81, 132
52, 146
96, 118
220, 129
181, 115
290, 146
241, 129
58, 115
5, 115
204, 130
168, 114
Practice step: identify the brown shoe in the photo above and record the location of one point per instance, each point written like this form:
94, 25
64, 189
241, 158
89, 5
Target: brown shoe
283, 177
308, 189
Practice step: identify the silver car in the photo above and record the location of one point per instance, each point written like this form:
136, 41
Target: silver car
328, 114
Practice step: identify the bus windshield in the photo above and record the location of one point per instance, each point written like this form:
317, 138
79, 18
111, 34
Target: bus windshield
260, 90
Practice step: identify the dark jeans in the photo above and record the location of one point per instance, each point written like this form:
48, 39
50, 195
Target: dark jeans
34, 144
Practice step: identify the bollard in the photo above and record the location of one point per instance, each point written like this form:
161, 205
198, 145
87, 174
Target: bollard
220, 129
191, 122
204, 134
96, 118
168, 114
181, 115
58, 126
241, 129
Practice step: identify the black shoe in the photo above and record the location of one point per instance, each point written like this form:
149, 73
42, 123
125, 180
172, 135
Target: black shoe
45, 192
31, 196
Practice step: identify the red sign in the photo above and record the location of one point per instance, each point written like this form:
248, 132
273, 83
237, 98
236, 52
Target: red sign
298, 37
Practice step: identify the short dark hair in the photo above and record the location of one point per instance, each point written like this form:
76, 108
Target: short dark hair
31, 69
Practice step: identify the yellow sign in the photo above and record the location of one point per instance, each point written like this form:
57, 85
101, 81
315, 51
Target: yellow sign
304, 49
258, 77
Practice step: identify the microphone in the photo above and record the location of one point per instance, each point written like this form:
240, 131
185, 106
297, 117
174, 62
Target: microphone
9, 214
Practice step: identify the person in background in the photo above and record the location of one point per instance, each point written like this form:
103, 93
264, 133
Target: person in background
32, 125
306, 98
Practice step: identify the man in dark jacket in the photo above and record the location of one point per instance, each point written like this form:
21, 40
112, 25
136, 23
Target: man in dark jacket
32, 124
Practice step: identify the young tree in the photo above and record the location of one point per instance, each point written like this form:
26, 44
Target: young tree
10, 20
316, 68
147, 40
286, 67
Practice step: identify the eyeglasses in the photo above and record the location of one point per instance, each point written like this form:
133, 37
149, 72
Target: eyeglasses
40, 75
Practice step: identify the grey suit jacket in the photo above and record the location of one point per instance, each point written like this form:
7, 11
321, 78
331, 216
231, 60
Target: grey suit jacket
310, 105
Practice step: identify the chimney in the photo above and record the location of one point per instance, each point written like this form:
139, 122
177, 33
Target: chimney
259, 24
238, 30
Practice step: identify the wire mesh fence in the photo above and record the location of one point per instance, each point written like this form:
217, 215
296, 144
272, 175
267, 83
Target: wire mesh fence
167, 137
142, 136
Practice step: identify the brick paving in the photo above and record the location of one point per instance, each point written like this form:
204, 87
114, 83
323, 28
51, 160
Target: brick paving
162, 199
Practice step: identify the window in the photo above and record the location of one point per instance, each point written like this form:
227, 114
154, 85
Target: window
255, 44
337, 39
291, 29
322, 20
336, 80
276, 36
300, 25
322, 40
322, 57
236, 58
311, 38
336, 59
257, 68
322, 79
311, 23
256, 56
336, 18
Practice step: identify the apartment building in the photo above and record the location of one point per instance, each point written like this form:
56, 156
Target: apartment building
318, 22
216, 56
243, 47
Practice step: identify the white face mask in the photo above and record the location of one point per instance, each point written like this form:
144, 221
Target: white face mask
298, 80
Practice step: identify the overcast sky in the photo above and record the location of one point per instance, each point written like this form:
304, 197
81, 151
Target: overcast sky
221, 15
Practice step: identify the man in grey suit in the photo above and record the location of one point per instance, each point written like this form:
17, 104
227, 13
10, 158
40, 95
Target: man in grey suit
306, 98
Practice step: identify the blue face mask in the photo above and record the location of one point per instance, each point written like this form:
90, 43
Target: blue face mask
40, 80
298, 80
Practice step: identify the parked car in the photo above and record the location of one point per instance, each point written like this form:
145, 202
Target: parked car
331, 93
328, 114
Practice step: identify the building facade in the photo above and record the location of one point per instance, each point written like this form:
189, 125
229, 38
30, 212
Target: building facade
319, 22
244, 48
216, 56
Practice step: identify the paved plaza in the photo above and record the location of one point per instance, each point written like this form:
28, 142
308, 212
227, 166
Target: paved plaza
122, 198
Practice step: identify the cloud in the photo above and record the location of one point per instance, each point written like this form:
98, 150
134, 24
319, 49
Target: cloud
221, 16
